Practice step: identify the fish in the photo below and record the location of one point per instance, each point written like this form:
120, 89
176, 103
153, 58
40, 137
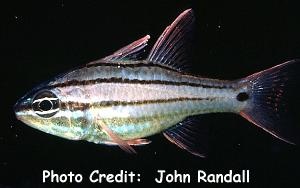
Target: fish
122, 99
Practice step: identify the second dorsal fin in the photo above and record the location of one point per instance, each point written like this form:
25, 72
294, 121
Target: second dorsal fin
172, 46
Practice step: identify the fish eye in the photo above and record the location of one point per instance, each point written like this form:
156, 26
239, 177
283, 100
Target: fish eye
45, 104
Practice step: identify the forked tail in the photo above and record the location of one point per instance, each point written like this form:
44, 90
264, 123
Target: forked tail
274, 99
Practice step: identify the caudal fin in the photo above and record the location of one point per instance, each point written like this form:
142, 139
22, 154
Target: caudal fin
274, 99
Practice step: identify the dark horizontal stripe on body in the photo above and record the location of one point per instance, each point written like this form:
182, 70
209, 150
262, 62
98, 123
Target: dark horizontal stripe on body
135, 81
73, 106
135, 64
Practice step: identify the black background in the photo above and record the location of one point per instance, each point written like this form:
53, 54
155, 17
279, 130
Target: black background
233, 39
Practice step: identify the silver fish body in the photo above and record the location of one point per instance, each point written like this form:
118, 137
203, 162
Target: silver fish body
141, 100
135, 100
119, 100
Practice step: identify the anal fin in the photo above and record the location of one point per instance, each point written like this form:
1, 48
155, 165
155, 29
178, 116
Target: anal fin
190, 136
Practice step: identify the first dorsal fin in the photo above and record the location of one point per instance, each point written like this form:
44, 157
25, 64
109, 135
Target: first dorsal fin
190, 136
132, 51
172, 47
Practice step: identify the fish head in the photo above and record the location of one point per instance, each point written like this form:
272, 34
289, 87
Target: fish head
42, 109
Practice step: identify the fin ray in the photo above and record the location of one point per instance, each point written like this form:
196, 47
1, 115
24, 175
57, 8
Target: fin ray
272, 100
171, 48
132, 51
138, 142
134, 142
190, 136
121, 143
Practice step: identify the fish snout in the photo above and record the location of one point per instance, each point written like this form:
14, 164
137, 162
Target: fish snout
21, 106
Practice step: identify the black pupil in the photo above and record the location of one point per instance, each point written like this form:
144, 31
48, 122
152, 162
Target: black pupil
242, 96
45, 105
